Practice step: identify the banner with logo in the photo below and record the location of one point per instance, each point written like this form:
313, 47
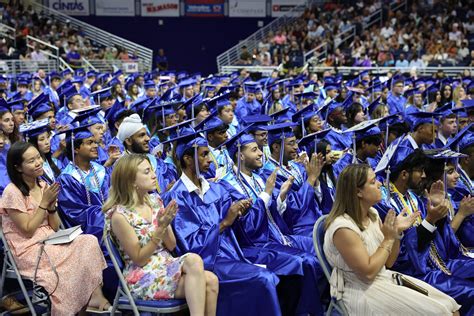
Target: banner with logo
281, 7
160, 7
115, 7
70, 7
247, 8
204, 8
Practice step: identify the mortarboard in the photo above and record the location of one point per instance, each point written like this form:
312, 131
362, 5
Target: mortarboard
310, 140
34, 129
416, 119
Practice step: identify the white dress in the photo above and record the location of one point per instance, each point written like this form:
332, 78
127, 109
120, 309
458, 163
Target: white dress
382, 296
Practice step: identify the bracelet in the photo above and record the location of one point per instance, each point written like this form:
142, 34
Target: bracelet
51, 211
44, 209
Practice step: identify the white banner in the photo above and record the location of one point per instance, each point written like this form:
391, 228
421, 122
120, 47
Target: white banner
247, 8
160, 7
130, 67
70, 7
115, 7
280, 7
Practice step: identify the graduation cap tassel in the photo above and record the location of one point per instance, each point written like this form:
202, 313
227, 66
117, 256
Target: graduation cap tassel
387, 184
354, 149
238, 161
445, 179
282, 148
163, 117
72, 148
196, 161
386, 136
303, 129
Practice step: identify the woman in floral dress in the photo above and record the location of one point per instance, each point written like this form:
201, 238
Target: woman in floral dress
140, 224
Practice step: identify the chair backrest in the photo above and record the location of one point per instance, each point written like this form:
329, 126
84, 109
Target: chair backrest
318, 241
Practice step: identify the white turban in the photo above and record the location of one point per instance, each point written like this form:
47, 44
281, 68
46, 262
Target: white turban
130, 125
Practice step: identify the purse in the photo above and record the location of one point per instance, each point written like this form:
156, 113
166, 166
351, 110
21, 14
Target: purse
400, 279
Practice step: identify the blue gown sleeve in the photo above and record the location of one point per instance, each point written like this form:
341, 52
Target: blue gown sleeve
72, 204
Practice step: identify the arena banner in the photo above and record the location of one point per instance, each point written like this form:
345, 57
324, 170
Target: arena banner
281, 7
204, 8
115, 8
70, 7
160, 7
247, 8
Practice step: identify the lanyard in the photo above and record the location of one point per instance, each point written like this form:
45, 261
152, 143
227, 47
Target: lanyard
401, 202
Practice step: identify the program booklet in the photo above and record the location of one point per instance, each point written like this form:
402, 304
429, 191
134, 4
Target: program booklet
63, 236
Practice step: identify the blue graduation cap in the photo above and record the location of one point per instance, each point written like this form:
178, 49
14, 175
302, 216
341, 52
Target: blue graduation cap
374, 105
113, 113
282, 115
66, 72
416, 119
91, 74
102, 94
80, 72
329, 107
34, 129
186, 83
310, 140
462, 139
211, 123
258, 122
191, 104
331, 85
304, 115
445, 110
39, 109
149, 84
16, 105
252, 88
188, 138
141, 104
361, 131
174, 129
68, 93
87, 116
77, 79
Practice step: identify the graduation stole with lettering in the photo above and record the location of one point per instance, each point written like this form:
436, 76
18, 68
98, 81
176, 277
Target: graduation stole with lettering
287, 172
256, 190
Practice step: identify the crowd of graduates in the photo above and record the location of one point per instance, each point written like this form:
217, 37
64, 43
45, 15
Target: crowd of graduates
240, 168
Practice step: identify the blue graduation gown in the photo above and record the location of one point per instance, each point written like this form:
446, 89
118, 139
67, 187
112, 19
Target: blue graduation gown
245, 108
302, 206
4, 179
244, 289
328, 192
74, 210
339, 141
165, 174
257, 232
463, 188
396, 104
419, 263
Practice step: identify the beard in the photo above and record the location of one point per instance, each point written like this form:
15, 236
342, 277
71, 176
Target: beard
419, 187
137, 148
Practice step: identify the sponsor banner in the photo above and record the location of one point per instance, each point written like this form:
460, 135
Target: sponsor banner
281, 7
115, 8
204, 8
160, 7
70, 7
247, 8
130, 67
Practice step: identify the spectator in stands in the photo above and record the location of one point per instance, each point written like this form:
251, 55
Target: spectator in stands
141, 224
28, 209
245, 56
360, 247
73, 57
37, 54
402, 62
161, 61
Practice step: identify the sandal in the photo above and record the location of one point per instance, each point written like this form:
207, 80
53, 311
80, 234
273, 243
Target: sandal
101, 309
14, 307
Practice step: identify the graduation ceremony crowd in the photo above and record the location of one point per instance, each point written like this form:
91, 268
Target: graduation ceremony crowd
210, 188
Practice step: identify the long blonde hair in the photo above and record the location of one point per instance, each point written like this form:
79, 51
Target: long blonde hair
351, 179
122, 190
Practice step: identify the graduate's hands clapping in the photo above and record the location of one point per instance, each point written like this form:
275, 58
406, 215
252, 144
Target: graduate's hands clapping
285, 187
466, 207
237, 209
314, 168
271, 180
405, 220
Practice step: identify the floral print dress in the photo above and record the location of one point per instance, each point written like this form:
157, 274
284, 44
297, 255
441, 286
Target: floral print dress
159, 277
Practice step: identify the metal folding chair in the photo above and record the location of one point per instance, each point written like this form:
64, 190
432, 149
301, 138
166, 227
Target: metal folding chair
123, 298
318, 241
33, 298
